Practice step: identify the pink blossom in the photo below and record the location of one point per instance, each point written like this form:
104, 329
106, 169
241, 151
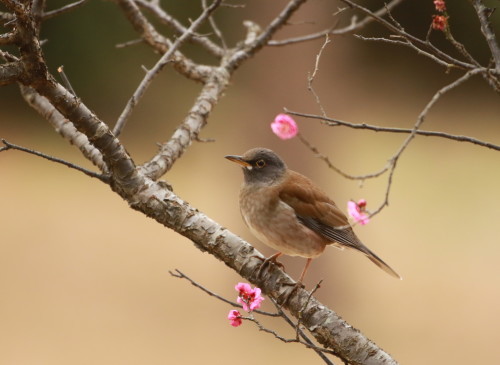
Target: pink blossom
440, 5
358, 211
284, 126
234, 318
249, 298
439, 22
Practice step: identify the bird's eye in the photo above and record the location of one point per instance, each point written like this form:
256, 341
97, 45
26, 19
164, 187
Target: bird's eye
260, 164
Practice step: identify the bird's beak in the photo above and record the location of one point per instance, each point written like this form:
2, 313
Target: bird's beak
238, 159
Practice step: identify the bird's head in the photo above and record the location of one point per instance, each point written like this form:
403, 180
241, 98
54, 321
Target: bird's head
260, 166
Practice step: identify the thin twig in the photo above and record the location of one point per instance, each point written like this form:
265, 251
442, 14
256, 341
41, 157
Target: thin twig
354, 26
173, 23
133, 42
214, 26
12, 146
301, 333
263, 38
161, 44
404, 42
488, 33
234, 6
180, 275
330, 165
63, 10
391, 166
337, 122
291, 340
307, 342
151, 74
419, 43
65, 80
311, 77
460, 47
416, 127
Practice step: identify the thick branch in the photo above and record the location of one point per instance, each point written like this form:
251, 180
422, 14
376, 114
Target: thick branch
15, 6
10, 72
63, 126
125, 177
8, 38
190, 128
181, 64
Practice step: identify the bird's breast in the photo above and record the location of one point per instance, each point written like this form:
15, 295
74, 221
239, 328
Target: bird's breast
274, 223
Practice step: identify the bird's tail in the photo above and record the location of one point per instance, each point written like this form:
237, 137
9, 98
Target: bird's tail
380, 263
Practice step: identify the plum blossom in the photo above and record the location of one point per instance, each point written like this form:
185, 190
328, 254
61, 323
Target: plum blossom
440, 5
358, 211
249, 298
284, 126
439, 22
234, 318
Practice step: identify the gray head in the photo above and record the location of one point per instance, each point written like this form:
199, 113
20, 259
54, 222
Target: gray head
260, 165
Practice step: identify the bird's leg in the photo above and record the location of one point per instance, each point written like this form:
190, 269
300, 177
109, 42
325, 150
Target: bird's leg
298, 284
309, 260
270, 259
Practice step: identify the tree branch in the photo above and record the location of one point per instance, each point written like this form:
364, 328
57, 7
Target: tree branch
63, 126
10, 73
487, 30
391, 166
332, 122
178, 274
262, 39
209, 95
125, 178
418, 43
351, 28
171, 22
63, 10
9, 146
151, 74
181, 64
189, 130
324, 324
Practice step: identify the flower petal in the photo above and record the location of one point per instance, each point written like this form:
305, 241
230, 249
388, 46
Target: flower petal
284, 126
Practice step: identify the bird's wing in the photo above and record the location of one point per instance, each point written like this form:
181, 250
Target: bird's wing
316, 211
319, 213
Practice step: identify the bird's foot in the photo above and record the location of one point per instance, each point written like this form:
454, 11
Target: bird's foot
270, 260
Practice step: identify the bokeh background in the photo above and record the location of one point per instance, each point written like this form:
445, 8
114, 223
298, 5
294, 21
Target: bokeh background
85, 280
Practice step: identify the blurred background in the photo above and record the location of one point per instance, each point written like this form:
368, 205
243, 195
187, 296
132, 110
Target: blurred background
84, 279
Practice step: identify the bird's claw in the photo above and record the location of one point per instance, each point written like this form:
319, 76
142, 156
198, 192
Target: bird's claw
266, 261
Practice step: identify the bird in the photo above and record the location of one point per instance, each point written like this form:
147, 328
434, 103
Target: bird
289, 213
